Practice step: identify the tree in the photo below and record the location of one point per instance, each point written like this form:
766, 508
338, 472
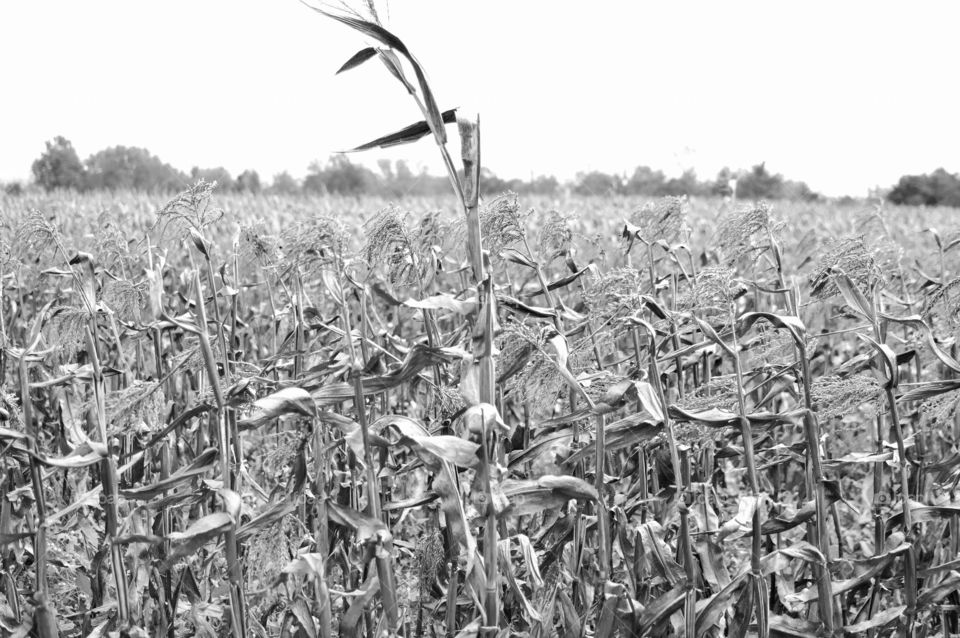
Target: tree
760, 183
598, 183
724, 184
220, 175
340, 176
132, 168
284, 184
686, 184
59, 166
645, 181
938, 188
248, 182
543, 185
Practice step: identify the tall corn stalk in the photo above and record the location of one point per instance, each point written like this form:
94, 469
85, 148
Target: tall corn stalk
467, 190
224, 438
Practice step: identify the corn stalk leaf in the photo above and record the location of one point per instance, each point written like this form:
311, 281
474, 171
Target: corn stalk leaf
853, 296
387, 38
791, 324
547, 492
662, 608
712, 610
280, 403
357, 59
880, 619
367, 528
789, 627
867, 569
407, 134
889, 358
196, 536
929, 389
201, 464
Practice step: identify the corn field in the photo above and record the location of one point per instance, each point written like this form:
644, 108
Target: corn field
260, 416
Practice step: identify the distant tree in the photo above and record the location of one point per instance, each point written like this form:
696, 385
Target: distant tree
646, 181
248, 182
14, 189
598, 183
219, 174
759, 183
939, 188
339, 175
542, 185
686, 184
724, 183
283, 184
798, 191
491, 185
59, 166
123, 167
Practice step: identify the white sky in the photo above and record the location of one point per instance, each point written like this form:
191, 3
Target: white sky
843, 95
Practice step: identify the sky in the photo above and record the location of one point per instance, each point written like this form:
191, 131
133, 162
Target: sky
843, 95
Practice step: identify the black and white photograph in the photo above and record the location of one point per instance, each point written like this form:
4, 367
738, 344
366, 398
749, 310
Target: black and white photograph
479, 319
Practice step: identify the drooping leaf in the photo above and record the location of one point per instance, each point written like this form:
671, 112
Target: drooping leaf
924, 514
197, 535
265, 519
853, 296
450, 448
866, 569
547, 492
934, 594
387, 38
625, 433
444, 302
85, 454
203, 462
789, 627
880, 619
661, 609
712, 335
407, 134
309, 565
712, 610
558, 283
282, 402
929, 389
791, 324
889, 358
367, 528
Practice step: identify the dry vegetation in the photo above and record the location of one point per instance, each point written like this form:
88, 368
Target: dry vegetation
235, 416
221, 413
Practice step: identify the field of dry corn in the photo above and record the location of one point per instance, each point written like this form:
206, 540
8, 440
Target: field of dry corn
253, 416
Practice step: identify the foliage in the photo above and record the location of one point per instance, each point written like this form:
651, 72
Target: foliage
760, 183
131, 168
939, 188
293, 508
219, 174
283, 184
338, 176
59, 166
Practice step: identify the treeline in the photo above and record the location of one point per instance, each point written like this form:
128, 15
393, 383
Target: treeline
938, 188
132, 168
